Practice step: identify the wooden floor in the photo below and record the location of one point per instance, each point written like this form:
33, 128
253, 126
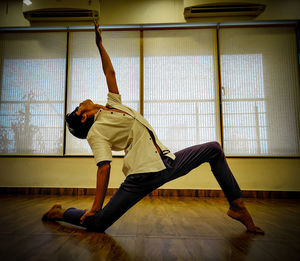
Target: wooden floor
157, 228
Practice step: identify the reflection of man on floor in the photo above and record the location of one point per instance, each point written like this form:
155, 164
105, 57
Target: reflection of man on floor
148, 164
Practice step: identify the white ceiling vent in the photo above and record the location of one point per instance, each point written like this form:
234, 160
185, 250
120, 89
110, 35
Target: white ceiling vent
214, 10
61, 10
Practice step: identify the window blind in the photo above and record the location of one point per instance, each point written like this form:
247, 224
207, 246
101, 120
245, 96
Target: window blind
260, 82
180, 97
32, 92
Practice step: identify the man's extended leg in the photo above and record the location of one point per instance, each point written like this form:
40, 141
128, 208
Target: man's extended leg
211, 152
133, 189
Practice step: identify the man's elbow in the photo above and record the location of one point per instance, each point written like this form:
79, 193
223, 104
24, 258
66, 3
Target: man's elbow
110, 73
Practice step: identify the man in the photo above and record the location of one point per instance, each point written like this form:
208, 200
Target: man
148, 164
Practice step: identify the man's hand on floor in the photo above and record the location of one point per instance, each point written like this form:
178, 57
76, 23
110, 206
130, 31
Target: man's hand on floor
87, 214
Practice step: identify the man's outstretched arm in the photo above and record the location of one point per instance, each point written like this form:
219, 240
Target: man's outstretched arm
107, 66
101, 188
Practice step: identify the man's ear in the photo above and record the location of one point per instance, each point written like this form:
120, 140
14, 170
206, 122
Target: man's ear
84, 117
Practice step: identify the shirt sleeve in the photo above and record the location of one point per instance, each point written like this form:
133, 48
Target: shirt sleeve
101, 148
113, 98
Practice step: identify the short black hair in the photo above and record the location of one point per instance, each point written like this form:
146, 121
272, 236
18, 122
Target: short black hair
76, 127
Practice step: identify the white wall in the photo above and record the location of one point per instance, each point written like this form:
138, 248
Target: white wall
252, 174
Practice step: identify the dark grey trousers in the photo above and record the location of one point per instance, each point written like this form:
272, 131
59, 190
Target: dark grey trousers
137, 186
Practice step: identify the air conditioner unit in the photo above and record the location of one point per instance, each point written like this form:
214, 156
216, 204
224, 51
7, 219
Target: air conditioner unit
218, 9
60, 10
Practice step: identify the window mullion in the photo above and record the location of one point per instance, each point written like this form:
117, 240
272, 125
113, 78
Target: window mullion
66, 92
142, 72
219, 82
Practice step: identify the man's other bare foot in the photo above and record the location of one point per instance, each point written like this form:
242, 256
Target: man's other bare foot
239, 212
54, 213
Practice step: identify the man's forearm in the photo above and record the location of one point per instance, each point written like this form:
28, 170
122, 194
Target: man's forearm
106, 62
101, 188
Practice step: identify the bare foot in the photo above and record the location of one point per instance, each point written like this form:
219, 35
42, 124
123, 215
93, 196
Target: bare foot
53, 214
239, 212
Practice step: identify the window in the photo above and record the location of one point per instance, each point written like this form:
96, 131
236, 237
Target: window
260, 91
181, 97
180, 90
32, 93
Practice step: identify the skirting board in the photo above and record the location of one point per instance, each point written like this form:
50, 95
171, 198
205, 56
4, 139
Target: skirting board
157, 192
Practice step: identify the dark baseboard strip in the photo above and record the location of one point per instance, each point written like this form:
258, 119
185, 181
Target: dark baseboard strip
158, 192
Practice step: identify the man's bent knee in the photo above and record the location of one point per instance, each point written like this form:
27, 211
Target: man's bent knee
214, 145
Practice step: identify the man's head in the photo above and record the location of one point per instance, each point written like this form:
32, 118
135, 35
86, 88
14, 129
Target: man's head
81, 119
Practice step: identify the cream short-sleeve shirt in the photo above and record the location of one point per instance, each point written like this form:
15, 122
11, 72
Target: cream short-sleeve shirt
127, 131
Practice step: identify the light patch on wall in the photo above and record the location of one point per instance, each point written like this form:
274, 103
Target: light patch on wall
27, 2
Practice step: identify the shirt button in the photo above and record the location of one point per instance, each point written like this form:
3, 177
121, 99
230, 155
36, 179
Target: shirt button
123, 114
111, 112
156, 151
149, 138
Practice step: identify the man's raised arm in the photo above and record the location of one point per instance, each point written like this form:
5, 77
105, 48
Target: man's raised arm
107, 66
